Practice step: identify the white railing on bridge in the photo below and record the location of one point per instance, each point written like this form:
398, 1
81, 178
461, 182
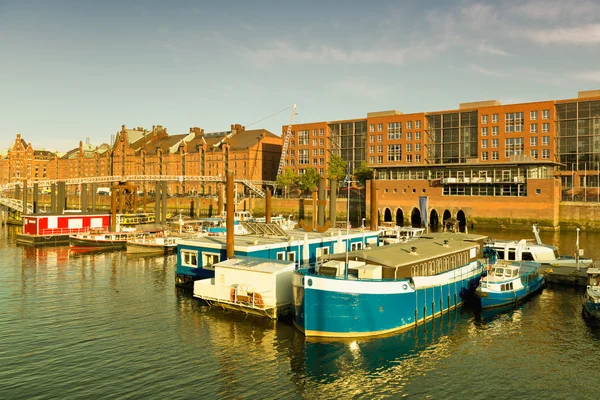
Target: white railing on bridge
15, 204
254, 186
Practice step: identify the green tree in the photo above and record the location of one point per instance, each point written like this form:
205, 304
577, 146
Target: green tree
287, 179
337, 168
309, 180
363, 173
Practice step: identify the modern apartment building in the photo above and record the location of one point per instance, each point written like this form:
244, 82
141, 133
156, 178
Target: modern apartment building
482, 161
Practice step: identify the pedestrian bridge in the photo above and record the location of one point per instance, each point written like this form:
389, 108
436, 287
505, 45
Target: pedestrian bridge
15, 205
254, 186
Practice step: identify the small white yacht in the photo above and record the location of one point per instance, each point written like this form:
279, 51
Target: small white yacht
526, 250
399, 234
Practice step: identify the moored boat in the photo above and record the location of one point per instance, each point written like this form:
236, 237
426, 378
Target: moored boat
106, 240
387, 288
152, 245
546, 255
253, 285
400, 234
591, 299
509, 283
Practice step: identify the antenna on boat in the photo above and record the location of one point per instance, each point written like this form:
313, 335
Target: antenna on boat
536, 232
347, 181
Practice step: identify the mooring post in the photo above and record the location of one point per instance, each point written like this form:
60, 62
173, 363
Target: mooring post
229, 220
268, 206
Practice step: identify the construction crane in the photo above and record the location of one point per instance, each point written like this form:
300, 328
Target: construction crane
286, 141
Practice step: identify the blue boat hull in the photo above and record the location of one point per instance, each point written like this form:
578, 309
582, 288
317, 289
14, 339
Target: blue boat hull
592, 309
334, 307
499, 299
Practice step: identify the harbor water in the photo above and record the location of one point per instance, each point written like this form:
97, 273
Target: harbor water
109, 326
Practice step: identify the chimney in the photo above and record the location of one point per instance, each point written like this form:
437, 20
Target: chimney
413, 250
446, 243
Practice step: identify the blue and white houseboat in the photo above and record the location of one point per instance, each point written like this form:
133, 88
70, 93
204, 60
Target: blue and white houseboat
507, 284
196, 256
591, 299
388, 288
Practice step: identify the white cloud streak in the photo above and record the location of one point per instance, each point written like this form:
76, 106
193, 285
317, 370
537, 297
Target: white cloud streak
585, 35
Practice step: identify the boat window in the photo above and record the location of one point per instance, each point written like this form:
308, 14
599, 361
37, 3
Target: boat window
498, 271
502, 288
281, 255
515, 272
189, 258
527, 256
556, 255
291, 256
208, 259
511, 255
510, 286
356, 246
508, 272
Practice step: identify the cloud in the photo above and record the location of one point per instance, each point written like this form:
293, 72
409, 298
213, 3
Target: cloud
358, 87
283, 51
483, 47
555, 10
487, 72
593, 76
587, 34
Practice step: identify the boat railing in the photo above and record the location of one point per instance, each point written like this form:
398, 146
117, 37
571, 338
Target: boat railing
65, 231
248, 297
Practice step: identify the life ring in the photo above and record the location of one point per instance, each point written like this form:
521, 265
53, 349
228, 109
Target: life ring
258, 300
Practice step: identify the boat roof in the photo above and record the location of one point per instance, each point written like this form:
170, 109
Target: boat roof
256, 264
467, 237
397, 255
591, 271
292, 235
526, 267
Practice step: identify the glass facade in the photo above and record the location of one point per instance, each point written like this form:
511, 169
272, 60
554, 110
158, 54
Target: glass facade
578, 134
349, 140
453, 137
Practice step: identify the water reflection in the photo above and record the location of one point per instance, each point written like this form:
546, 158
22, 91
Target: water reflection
334, 368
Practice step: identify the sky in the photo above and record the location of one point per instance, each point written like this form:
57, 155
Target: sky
77, 69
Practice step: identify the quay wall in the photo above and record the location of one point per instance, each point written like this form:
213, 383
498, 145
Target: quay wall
542, 207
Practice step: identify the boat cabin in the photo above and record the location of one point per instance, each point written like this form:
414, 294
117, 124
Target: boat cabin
523, 250
400, 234
196, 256
63, 224
421, 257
593, 277
253, 285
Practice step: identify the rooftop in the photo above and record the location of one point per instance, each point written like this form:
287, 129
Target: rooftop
427, 247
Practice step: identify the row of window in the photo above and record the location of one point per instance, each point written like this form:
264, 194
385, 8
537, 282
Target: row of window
515, 117
396, 157
304, 142
512, 190
392, 148
516, 151
395, 126
395, 135
533, 128
533, 141
306, 131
